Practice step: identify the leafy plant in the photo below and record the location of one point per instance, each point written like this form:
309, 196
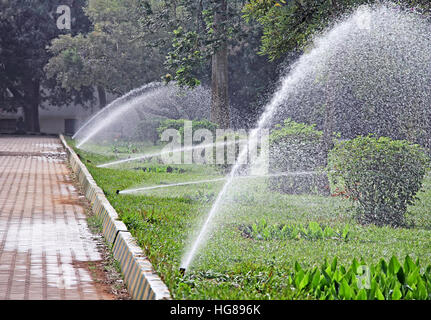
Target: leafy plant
313, 231
246, 269
381, 175
359, 281
202, 196
296, 147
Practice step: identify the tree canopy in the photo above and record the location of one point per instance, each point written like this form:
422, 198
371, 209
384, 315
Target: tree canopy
114, 56
26, 28
290, 24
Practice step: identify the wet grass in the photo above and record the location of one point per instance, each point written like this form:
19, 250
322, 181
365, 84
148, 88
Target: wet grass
233, 266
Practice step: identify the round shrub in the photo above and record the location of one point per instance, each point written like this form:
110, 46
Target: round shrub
296, 148
380, 175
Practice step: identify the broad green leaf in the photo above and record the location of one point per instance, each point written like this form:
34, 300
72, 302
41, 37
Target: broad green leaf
409, 265
304, 282
334, 264
316, 279
345, 291
401, 276
383, 265
362, 295
394, 265
396, 294
297, 267
298, 278
422, 291
379, 295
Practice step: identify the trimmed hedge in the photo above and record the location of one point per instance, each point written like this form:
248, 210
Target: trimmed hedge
380, 175
297, 148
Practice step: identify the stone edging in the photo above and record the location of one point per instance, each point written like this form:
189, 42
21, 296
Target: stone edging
142, 281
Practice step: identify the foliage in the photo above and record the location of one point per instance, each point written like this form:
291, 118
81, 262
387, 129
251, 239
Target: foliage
294, 130
195, 42
381, 175
290, 25
261, 230
231, 266
116, 55
184, 67
26, 28
359, 281
290, 144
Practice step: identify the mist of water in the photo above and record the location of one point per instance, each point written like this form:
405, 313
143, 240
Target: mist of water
371, 69
154, 100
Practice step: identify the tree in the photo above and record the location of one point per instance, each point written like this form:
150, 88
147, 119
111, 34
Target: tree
115, 56
220, 112
290, 24
204, 34
26, 28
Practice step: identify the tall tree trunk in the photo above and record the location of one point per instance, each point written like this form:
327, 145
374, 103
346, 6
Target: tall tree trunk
31, 110
102, 96
220, 113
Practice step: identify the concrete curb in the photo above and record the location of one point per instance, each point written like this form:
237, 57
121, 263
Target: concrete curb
142, 281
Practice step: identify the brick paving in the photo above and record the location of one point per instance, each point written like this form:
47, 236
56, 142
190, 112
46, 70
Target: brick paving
45, 244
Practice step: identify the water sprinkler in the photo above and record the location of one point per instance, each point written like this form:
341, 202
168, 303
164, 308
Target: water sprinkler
182, 271
117, 192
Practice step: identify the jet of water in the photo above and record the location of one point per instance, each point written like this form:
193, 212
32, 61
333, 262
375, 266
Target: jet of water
130, 191
171, 185
178, 150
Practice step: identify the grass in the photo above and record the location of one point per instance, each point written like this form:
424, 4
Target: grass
234, 266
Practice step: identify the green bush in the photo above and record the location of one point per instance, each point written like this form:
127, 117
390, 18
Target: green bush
296, 147
380, 175
383, 281
179, 125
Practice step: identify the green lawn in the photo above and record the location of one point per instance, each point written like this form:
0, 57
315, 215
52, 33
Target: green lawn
233, 265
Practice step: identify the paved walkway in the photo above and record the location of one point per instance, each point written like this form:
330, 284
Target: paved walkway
45, 244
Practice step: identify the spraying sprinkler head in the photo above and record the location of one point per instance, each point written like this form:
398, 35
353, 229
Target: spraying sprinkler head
117, 192
182, 271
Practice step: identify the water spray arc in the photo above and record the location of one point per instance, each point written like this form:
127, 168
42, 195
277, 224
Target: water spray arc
353, 66
170, 185
152, 101
113, 104
243, 154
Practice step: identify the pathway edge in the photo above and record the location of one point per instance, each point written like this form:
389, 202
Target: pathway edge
142, 281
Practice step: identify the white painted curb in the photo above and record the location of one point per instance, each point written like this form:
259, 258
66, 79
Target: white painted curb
142, 281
